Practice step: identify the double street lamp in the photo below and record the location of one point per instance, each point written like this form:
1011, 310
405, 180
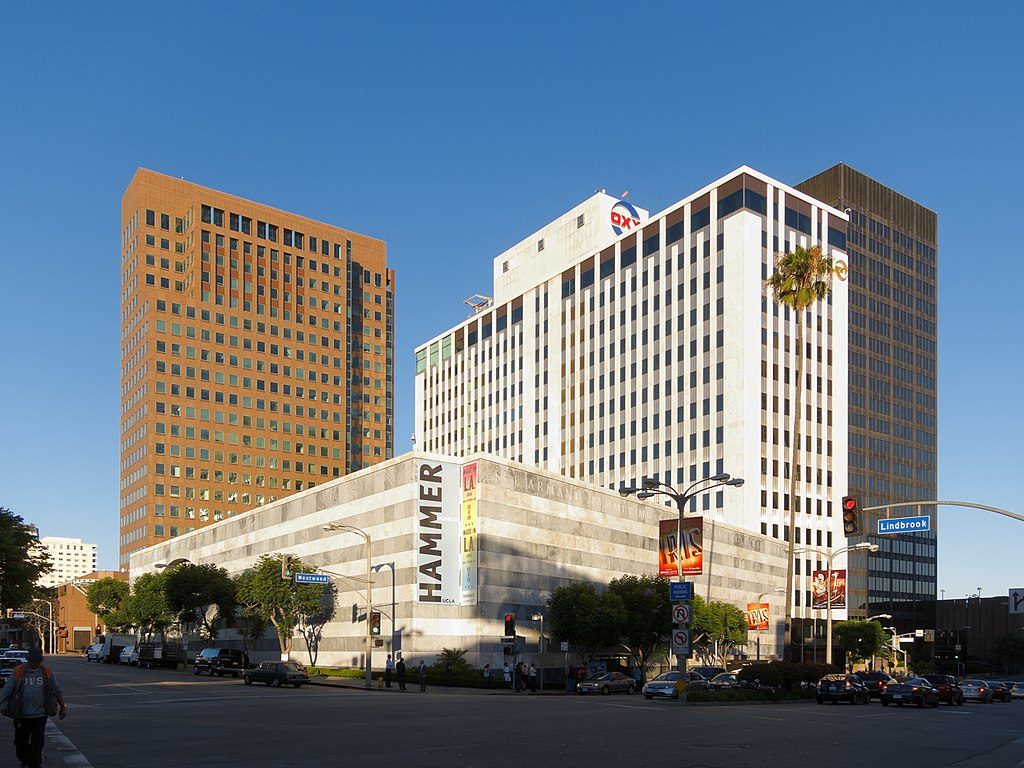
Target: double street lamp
651, 488
369, 594
829, 556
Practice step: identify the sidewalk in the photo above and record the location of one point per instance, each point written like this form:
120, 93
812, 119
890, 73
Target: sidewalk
413, 686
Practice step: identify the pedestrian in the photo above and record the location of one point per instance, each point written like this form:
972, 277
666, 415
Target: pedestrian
448, 673
506, 674
521, 676
32, 695
487, 675
422, 672
388, 668
400, 669
533, 678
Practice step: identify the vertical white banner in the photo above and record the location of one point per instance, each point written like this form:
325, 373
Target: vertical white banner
438, 532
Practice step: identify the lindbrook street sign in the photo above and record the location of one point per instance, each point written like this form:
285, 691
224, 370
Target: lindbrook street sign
920, 524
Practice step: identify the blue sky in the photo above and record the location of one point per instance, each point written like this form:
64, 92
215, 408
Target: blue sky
451, 131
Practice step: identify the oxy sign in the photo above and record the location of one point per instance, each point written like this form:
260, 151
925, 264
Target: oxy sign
624, 217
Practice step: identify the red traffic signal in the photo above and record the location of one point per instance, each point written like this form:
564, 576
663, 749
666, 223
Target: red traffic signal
851, 516
510, 624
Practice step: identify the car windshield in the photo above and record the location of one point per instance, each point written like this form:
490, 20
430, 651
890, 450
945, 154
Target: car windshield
723, 677
670, 677
268, 665
603, 676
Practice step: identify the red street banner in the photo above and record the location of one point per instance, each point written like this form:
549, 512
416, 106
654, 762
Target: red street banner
692, 549
819, 595
757, 616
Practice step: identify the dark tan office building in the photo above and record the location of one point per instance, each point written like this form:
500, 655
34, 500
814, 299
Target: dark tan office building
892, 246
256, 356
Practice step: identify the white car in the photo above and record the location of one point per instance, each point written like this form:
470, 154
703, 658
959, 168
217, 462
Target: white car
94, 652
129, 656
20, 656
1016, 690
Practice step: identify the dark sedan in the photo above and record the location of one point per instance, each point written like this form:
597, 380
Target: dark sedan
836, 688
916, 690
1001, 691
609, 682
277, 673
947, 686
875, 682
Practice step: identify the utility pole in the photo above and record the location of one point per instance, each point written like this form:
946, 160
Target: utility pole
369, 593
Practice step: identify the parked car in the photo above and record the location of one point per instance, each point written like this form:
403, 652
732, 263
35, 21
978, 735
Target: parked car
18, 655
277, 673
948, 688
1017, 690
709, 672
977, 690
723, 681
664, 685
7, 667
220, 662
1000, 691
609, 682
876, 682
836, 688
94, 652
916, 690
129, 656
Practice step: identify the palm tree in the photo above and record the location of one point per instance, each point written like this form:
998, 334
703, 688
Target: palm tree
801, 279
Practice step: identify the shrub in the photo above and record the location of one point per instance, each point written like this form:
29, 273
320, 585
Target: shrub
783, 675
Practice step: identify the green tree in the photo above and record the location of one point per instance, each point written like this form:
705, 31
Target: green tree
716, 627
801, 279
588, 620
648, 623
147, 606
861, 639
22, 560
263, 592
201, 596
107, 596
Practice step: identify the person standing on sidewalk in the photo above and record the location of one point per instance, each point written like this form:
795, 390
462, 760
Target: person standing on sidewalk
506, 674
533, 678
422, 673
487, 675
32, 695
400, 668
388, 668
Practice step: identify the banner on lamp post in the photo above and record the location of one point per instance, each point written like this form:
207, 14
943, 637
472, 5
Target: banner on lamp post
692, 550
758, 616
820, 593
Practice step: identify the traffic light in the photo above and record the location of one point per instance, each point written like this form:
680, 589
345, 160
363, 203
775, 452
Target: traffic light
287, 566
510, 624
375, 623
851, 515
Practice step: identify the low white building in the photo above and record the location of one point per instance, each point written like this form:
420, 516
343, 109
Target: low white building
470, 539
69, 558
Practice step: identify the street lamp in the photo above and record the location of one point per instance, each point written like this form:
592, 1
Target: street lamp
896, 650
377, 569
369, 593
540, 646
759, 599
829, 557
652, 487
872, 618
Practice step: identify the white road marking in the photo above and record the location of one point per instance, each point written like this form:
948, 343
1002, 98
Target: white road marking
68, 754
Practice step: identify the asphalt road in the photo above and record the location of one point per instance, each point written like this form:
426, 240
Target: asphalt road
124, 718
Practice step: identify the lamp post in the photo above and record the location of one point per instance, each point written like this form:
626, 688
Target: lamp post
759, 599
369, 593
829, 557
376, 569
653, 487
540, 646
896, 650
872, 618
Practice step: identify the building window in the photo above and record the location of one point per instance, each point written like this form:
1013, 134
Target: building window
540, 245
579, 221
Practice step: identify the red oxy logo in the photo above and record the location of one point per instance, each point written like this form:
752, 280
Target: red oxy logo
624, 217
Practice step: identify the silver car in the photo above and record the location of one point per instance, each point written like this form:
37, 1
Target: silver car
129, 656
664, 685
977, 690
609, 682
1016, 690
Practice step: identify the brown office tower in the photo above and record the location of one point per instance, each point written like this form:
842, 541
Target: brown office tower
891, 242
256, 356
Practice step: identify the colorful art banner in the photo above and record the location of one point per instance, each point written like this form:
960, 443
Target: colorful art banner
692, 550
820, 593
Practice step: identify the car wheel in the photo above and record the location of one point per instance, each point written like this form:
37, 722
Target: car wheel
899, 703
195, 670
920, 704
960, 701
853, 698
630, 690
277, 683
648, 697
246, 680
821, 700
267, 683
885, 703
936, 704
605, 691
296, 685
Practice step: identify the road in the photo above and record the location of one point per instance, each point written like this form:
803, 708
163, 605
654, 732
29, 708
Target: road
124, 718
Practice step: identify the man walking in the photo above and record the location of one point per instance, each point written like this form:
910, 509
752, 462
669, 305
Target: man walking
388, 667
32, 694
533, 678
422, 672
487, 675
400, 668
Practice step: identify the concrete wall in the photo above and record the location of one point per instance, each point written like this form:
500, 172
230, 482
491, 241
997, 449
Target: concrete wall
536, 531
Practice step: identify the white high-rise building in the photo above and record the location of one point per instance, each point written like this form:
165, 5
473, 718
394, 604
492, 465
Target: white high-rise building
659, 353
70, 559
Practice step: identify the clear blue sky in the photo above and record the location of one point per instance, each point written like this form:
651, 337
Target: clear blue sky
451, 131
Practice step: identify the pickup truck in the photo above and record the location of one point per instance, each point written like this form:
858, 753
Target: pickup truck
155, 654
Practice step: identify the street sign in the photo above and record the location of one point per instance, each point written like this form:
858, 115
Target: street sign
312, 578
681, 614
1016, 603
18, 615
508, 638
958, 647
565, 647
681, 642
919, 524
680, 590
